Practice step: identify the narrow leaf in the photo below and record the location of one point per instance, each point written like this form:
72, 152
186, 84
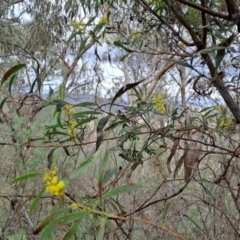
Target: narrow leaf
36, 201
109, 173
71, 217
100, 235
12, 71
120, 44
179, 62
120, 190
102, 166
61, 92
165, 211
49, 220
101, 124
11, 83
81, 168
2, 103
81, 114
85, 121
50, 157
83, 44
29, 175
86, 104
123, 89
70, 233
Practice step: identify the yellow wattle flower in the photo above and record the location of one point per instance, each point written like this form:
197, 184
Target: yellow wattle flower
54, 186
158, 100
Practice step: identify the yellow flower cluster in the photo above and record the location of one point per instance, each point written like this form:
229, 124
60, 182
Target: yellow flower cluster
54, 186
103, 21
68, 112
225, 122
158, 100
72, 127
78, 26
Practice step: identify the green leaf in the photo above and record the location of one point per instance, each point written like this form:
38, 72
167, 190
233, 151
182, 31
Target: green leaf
110, 224
117, 203
59, 104
90, 21
121, 190
138, 94
221, 53
100, 234
85, 104
59, 124
85, 121
11, 83
212, 49
124, 56
83, 113
36, 201
120, 44
66, 151
11, 71
2, 103
71, 217
102, 166
61, 92
81, 168
73, 35
49, 220
83, 44
101, 123
70, 233
49, 157
165, 211
123, 89
29, 175
205, 109
109, 173
52, 225
179, 62
56, 133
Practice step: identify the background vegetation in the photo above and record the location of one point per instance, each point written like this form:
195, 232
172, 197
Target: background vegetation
119, 119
